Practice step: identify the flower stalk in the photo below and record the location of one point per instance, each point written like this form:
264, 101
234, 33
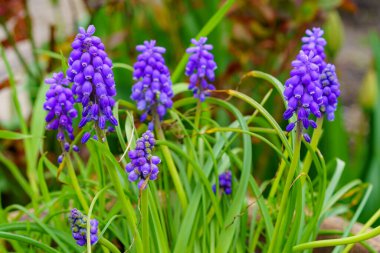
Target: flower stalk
145, 219
276, 241
341, 241
314, 143
170, 164
75, 183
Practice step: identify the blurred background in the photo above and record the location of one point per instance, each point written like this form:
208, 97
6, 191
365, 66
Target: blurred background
255, 35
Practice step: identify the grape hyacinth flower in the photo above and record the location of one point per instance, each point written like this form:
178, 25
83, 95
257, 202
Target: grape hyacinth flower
78, 223
313, 41
303, 93
331, 91
60, 106
90, 70
225, 183
143, 164
200, 68
153, 90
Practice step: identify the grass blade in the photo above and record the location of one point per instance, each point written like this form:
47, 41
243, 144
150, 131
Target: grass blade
28, 240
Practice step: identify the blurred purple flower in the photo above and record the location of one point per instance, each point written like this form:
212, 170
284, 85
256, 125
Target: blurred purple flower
331, 91
200, 68
78, 223
153, 88
225, 182
90, 70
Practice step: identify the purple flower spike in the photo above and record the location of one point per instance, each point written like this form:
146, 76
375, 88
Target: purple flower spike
153, 88
90, 70
78, 223
143, 164
225, 183
313, 41
302, 91
331, 91
200, 68
60, 106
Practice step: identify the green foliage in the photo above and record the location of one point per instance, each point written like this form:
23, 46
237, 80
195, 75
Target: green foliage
179, 212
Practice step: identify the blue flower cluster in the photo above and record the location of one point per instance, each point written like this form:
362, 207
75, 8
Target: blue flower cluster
328, 79
90, 70
200, 68
225, 182
153, 89
61, 112
331, 91
78, 223
143, 164
313, 87
302, 91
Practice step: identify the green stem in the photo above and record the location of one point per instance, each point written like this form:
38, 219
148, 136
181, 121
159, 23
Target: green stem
314, 143
198, 112
308, 231
171, 166
194, 138
145, 219
293, 166
126, 205
364, 228
341, 241
253, 244
103, 241
109, 245
75, 183
27, 240
298, 194
276, 182
89, 214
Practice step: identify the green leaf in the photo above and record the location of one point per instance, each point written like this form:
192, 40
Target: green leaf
271, 79
158, 228
27, 240
180, 87
226, 236
266, 115
88, 227
49, 53
199, 171
355, 217
340, 193
115, 171
42, 225
29, 227
372, 168
123, 66
9, 135
334, 180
